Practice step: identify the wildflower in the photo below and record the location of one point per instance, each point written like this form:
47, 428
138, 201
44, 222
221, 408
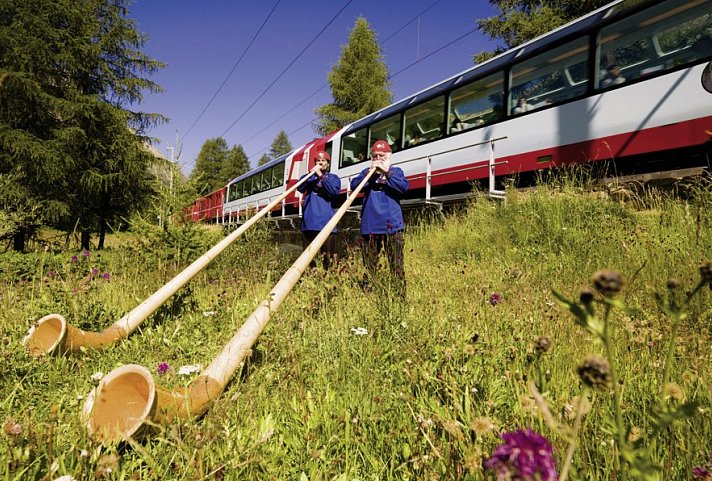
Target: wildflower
608, 282
106, 276
84, 453
542, 344
96, 377
51, 274
189, 369
86, 253
706, 272
525, 455
495, 299
586, 296
595, 372
359, 331
208, 313
163, 367
702, 473
673, 391
94, 271
482, 425
12, 428
66, 477
673, 283
75, 259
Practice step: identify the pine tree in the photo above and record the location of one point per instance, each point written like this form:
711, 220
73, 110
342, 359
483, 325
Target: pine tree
359, 81
263, 160
280, 146
67, 138
236, 163
519, 21
209, 165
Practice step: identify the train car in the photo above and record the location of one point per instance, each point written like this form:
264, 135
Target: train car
209, 208
630, 82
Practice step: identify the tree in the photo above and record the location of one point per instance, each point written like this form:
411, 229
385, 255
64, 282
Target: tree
209, 165
359, 81
68, 141
280, 146
236, 163
519, 21
263, 160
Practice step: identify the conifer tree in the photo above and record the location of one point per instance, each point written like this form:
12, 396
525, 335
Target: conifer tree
359, 81
263, 160
280, 145
209, 165
519, 21
236, 163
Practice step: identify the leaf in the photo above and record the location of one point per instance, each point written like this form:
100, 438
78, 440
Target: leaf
583, 317
663, 419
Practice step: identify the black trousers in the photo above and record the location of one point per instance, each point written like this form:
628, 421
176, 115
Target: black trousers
327, 250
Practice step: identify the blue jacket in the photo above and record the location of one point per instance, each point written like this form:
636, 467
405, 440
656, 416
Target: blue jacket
381, 211
319, 196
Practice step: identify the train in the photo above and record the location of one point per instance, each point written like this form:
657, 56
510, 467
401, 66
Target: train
631, 82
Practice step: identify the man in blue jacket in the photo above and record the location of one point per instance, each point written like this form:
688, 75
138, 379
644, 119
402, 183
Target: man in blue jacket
381, 215
320, 191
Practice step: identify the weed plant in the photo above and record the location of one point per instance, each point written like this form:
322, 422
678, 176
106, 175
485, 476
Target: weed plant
346, 384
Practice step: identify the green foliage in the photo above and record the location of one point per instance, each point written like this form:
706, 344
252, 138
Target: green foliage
263, 159
519, 21
359, 81
280, 145
216, 165
235, 164
344, 384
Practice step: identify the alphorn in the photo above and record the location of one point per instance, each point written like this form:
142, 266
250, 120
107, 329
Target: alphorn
128, 401
53, 335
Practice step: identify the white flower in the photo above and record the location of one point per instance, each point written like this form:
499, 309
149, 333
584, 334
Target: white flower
189, 369
208, 313
66, 477
84, 453
359, 331
96, 377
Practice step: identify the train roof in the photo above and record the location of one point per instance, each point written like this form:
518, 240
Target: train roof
260, 168
537, 45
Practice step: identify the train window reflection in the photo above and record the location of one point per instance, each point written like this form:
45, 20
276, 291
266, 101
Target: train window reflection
478, 103
425, 122
388, 130
354, 147
549, 78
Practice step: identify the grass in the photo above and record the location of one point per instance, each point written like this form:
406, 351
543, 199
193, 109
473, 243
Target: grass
425, 392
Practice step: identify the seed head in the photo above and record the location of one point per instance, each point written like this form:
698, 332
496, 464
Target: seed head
542, 344
586, 296
673, 283
706, 272
595, 372
608, 282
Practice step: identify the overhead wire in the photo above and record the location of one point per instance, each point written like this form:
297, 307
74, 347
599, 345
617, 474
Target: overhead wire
254, 37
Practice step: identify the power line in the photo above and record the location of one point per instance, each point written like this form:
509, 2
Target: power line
286, 68
435, 51
254, 37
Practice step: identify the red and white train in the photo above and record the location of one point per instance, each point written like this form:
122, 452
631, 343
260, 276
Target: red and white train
630, 82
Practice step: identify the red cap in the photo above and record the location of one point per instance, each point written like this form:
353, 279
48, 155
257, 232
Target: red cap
323, 155
381, 146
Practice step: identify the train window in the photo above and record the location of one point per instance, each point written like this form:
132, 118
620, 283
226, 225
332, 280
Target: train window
388, 130
354, 147
425, 122
655, 40
477, 103
278, 175
549, 78
266, 180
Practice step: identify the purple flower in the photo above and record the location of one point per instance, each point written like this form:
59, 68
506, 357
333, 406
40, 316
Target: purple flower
86, 253
163, 368
701, 473
495, 299
106, 276
525, 455
94, 271
75, 259
51, 274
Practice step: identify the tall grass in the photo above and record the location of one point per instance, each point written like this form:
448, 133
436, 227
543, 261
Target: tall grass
345, 384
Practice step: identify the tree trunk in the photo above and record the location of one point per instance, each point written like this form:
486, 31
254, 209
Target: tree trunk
102, 233
18, 241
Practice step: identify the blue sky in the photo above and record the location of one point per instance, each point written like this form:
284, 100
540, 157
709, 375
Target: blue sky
201, 41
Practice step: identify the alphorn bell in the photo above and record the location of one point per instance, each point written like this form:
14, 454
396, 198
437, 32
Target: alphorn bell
53, 335
128, 400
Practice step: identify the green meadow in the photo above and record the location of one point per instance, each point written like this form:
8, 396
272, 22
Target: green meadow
505, 307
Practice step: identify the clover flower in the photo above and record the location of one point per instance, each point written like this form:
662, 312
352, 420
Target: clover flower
495, 299
75, 259
163, 367
525, 455
86, 253
702, 473
12, 428
189, 369
359, 331
51, 274
106, 276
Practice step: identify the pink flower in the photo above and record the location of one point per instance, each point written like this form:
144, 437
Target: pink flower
495, 299
106, 276
525, 455
163, 368
75, 259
